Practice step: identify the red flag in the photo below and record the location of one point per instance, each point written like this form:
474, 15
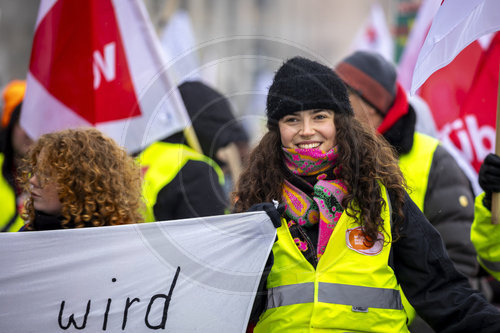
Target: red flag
99, 63
478, 112
463, 97
86, 53
446, 89
456, 24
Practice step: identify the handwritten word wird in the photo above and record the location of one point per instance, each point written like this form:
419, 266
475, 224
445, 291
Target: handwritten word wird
128, 303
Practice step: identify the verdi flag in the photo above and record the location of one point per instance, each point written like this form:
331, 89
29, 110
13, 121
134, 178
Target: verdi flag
457, 24
474, 130
98, 63
191, 275
445, 91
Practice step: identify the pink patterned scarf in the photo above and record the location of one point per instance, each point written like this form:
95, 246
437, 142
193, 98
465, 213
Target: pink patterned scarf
323, 206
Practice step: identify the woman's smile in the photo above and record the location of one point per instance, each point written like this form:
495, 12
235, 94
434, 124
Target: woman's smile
308, 129
308, 145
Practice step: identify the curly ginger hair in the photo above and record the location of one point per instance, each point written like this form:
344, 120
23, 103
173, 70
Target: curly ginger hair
98, 183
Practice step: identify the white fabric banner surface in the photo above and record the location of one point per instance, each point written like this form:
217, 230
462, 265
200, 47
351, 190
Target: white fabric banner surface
192, 275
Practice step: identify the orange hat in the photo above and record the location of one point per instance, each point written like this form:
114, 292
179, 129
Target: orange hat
13, 95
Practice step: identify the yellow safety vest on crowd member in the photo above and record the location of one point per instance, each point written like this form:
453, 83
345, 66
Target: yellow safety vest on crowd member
160, 163
352, 289
485, 236
416, 166
9, 219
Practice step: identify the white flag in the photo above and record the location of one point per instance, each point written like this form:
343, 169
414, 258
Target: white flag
179, 44
192, 275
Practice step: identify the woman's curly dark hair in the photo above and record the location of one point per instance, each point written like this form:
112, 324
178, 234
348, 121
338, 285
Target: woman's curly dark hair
365, 159
98, 183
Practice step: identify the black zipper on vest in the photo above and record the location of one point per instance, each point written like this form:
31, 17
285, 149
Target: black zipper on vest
311, 248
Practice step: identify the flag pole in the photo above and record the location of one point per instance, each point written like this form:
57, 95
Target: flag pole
495, 197
188, 132
192, 139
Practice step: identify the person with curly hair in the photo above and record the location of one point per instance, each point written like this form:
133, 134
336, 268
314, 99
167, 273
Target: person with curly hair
350, 238
79, 178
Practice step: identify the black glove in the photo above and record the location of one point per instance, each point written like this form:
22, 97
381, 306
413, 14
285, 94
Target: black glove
489, 177
273, 212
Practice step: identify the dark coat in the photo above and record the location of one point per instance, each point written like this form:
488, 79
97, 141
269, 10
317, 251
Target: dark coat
194, 192
439, 293
449, 200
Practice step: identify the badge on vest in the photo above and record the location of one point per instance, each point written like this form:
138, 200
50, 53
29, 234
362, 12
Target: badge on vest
356, 240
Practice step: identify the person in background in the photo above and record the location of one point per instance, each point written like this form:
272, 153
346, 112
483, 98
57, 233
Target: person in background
484, 234
179, 182
79, 178
14, 143
221, 137
351, 237
436, 183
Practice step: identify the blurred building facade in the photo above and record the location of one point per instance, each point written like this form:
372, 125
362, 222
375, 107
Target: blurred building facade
239, 42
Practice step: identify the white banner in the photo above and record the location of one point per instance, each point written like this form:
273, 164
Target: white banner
193, 275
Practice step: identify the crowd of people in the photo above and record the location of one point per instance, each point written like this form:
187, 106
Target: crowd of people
377, 230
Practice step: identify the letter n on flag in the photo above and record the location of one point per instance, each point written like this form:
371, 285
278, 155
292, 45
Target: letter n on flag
99, 63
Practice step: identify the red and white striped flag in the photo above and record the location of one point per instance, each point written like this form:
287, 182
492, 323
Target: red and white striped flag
99, 63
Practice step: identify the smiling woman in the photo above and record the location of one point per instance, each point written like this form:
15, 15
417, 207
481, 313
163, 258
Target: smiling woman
79, 178
350, 238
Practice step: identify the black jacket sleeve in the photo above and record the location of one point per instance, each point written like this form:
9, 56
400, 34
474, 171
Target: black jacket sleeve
449, 206
438, 292
195, 191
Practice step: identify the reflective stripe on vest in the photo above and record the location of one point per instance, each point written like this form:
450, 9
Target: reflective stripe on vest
161, 162
290, 294
352, 289
416, 166
357, 296
8, 205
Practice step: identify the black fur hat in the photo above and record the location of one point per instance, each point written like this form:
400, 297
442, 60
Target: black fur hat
302, 84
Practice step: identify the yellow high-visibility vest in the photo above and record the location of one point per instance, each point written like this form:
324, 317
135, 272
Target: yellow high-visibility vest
416, 166
8, 204
485, 238
161, 162
352, 289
